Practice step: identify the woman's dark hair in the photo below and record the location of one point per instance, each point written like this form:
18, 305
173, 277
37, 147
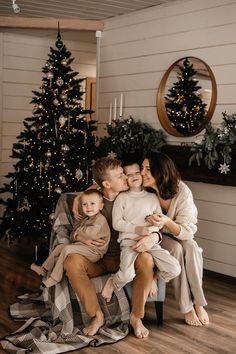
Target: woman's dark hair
165, 174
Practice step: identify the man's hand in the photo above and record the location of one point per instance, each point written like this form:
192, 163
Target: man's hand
75, 208
98, 243
141, 231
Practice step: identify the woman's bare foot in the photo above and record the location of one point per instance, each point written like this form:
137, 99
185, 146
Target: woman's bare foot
108, 289
38, 269
192, 319
154, 289
202, 314
139, 330
96, 322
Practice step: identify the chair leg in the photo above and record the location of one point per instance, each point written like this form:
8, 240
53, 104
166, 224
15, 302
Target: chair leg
159, 312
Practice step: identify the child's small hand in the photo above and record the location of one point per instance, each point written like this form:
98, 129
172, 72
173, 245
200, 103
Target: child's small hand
142, 231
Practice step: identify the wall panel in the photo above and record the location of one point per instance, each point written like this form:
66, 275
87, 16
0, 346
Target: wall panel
136, 50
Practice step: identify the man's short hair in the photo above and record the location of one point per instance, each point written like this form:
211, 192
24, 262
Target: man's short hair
102, 167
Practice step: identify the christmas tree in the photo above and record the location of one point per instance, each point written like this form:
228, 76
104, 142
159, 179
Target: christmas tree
54, 152
129, 137
184, 106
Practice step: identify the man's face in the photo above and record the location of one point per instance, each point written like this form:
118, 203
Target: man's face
117, 181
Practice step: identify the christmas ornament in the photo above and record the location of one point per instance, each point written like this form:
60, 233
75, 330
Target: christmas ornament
64, 62
40, 106
224, 168
112, 155
55, 102
62, 179
65, 148
79, 174
48, 154
50, 75
58, 190
59, 81
62, 121
63, 96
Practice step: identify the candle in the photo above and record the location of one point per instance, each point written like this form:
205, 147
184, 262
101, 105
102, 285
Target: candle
114, 116
121, 104
36, 253
110, 112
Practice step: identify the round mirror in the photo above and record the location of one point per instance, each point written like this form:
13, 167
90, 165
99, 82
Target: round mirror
186, 97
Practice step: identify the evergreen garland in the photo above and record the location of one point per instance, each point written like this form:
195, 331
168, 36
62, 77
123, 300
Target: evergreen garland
216, 145
129, 137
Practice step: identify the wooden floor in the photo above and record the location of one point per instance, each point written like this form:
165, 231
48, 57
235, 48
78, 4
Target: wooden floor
173, 338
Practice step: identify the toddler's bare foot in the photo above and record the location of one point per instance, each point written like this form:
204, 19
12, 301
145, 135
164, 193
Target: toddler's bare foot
154, 289
38, 269
202, 315
139, 330
108, 289
96, 322
191, 318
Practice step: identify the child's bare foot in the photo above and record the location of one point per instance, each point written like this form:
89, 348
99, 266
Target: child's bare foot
96, 322
38, 269
154, 289
202, 315
191, 318
108, 289
139, 330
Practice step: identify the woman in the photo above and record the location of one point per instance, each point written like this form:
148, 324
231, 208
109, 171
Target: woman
178, 220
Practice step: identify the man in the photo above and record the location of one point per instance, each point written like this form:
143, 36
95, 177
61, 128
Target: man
109, 176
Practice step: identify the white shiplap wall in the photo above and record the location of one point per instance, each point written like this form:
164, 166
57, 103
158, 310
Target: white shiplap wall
136, 50
22, 57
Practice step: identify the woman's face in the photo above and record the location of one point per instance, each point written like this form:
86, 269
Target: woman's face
148, 179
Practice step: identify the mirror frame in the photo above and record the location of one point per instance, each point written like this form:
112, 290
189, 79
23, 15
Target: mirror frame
160, 103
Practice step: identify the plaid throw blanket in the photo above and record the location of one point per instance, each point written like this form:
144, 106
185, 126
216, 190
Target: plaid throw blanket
56, 316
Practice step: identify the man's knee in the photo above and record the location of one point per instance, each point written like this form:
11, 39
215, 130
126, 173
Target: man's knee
74, 261
144, 261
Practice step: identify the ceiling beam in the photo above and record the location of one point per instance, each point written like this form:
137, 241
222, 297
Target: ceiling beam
51, 23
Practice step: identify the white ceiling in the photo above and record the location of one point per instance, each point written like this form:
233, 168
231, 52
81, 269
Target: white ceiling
80, 9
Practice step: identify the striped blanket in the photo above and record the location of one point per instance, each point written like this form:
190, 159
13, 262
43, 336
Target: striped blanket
55, 317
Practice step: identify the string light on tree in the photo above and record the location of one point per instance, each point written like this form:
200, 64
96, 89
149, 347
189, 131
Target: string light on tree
55, 143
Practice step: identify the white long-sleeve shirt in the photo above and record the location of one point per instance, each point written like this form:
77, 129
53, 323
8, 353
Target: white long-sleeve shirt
130, 209
183, 211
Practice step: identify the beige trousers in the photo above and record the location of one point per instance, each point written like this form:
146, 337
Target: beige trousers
168, 266
79, 271
188, 285
55, 261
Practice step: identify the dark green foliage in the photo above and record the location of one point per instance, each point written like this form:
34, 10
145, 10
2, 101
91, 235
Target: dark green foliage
184, 106
217, 143
53, 154
129, 137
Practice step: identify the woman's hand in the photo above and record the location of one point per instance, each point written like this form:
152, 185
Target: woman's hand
158, 220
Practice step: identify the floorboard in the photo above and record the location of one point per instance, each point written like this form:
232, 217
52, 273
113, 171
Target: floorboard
173, 338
